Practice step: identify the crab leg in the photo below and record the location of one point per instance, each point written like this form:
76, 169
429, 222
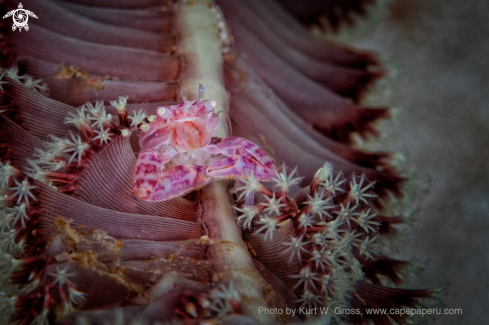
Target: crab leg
244, 158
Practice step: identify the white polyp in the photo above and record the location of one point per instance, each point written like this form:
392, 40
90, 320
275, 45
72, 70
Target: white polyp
285, 181
273, 206
307, 277
137, 118
120, 104
358, 193
213, 103
346, 213
75, 296
79, 119
295, 247
144, 127
23, 191
31, 83
251, 184
20, 214
249, 213
77, 146
306, 220
94, 109
103, 135
101, 118
6, 171
269, 224
325, 172
125, 133
61, 275
151, 118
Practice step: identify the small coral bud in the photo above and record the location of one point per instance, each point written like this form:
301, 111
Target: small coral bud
125, 133
325, 172
203, 302
120, 104
144, 127
204, 240
191, 309
151, 118
325, 177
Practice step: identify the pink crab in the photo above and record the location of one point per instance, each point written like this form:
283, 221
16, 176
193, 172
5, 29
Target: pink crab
177, 154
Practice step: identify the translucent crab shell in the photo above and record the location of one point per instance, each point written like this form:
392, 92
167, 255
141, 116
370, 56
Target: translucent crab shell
186, 126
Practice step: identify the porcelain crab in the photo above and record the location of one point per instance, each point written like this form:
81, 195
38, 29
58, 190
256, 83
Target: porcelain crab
179, 154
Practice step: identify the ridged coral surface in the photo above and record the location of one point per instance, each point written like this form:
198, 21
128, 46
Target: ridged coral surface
87, 79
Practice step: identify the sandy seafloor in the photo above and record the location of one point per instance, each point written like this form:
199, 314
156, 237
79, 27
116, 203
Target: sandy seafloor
440, 50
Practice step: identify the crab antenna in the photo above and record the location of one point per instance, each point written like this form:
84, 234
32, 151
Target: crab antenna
183, 95
201, 92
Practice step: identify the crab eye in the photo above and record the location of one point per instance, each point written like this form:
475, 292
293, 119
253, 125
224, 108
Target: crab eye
213, 103
161, 111
164, 112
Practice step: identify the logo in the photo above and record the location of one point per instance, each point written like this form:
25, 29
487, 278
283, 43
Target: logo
20, 17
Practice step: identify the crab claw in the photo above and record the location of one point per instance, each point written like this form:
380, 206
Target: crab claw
178, 181
153, 183
149, 166
244, 158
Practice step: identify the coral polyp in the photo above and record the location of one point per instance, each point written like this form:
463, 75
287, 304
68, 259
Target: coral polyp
321, 236
121, 204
